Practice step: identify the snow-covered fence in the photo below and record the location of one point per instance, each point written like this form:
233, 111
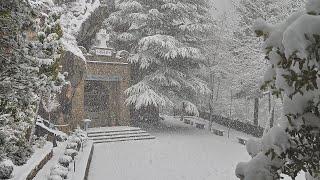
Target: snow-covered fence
256, 131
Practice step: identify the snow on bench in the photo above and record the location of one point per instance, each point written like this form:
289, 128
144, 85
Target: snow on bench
192, 120
199, 125
217, 132
242, 140
187, 121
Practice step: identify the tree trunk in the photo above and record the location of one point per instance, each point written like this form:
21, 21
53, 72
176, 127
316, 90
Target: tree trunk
230, 113
256, 112
183, 111
218, 89
33, 126
211, 98
272, 118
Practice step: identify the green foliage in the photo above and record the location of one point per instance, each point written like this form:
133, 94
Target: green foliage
29, 67
304, 151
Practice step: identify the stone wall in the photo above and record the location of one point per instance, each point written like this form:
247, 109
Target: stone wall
71, 98
121, 71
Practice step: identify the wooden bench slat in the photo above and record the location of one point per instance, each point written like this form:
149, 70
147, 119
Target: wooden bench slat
242, 140
218, 132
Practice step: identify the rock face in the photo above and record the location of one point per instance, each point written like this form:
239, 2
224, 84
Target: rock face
71, 99
94, 22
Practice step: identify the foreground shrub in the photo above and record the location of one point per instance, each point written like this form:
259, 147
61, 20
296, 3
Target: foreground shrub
6, 169
65, 160
55, 177
71, 152
60, 171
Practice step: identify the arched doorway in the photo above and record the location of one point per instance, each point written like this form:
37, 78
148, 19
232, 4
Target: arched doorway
101, 102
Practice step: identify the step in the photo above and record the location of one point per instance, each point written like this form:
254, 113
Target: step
124, 139
115, 133
121, 136
112, 129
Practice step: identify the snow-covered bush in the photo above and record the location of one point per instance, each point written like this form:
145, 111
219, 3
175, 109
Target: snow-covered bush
39, 142
72, 145
55, 177
78, 138
81, 134
6, 169
18, 152
65, 160
59, 170
61, 136
74, 139
292, 49
253, 147
71, 152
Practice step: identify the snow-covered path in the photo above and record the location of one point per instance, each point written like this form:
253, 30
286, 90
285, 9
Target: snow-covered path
180, 152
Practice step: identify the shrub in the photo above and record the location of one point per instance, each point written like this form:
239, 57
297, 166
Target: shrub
74, 139
59, 170
55, 177
6, 169
65, 160
19, 151
71, 152
72, 145
40, 141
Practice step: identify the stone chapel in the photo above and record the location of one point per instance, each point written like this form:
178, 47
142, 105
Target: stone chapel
97, 87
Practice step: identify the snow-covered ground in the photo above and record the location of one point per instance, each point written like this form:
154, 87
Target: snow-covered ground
179, 152
43, 174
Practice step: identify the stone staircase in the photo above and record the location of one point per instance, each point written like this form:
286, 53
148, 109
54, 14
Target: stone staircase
117, 134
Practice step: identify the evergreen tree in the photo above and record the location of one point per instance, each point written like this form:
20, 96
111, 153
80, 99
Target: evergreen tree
167, 40
29, 67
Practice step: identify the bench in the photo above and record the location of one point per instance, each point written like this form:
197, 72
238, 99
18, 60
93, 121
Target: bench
242, 140
187, 121
218, 132
199, 125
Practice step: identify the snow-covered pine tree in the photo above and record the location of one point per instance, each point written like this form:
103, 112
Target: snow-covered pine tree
166, 39
292, 50
29, 67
